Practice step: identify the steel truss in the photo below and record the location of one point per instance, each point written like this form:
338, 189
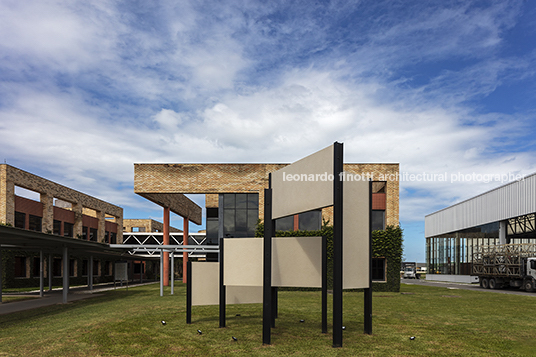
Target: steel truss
502, 260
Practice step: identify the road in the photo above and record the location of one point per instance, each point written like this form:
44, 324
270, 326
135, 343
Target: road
512, 291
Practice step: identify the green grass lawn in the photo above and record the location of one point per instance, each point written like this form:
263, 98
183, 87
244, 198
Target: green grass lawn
125, 323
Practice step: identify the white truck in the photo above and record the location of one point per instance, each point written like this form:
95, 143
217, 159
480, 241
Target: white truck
410, 271
503, 265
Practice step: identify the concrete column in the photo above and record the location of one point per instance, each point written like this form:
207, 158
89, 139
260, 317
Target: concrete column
41, 274
502, 232
77, 228
101, 227
65, 274
47, 200
119, 221
7, 198
185, 234
166, 242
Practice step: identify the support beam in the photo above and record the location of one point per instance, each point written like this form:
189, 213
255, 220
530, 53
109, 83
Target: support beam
161, 272
185, 234
337, 244
65, 274
267, 268
41, 274
324, 285
223, 300
368, 291
165, 273
189, 295
172, 271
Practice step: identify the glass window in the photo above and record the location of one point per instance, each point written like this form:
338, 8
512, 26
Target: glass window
284, 224
95, 268
378, 269
85, 267
241, 219
113, 238
378, 220
229, 222
20, 267
310, 221
241, 200
93, 234
20, 220
34, 223
56, 267
36, 267
68, 229
229, 200
84, 233
57, 227
253, 201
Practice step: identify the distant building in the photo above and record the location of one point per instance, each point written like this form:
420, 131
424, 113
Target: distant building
504, 215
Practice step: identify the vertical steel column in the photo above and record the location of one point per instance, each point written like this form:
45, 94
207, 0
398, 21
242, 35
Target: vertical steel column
223, 300
324, 285
185, 236
337, 244
267, 267
172, 271
165, 241
41, 274
90, 272
161, 272
368, 291
189, 294
65, 274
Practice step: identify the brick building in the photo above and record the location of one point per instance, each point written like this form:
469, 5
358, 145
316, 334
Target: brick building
62, 217
234, 193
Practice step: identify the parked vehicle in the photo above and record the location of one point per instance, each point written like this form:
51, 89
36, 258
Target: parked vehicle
498, 266
410, 271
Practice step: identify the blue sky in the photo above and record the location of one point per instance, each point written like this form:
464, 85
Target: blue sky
444, 87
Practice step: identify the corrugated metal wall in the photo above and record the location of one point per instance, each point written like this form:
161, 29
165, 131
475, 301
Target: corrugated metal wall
512, 200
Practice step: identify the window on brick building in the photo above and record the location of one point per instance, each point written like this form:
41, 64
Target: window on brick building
240, 214
93, 234
378, 220
113, 238
72, 267
56, 227
20, 267
56, 267
68, 229
36, 269
95, 268
34, 223
85, 267
20, 220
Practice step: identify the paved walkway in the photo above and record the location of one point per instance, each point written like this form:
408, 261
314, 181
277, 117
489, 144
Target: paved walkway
56, 297
450, 285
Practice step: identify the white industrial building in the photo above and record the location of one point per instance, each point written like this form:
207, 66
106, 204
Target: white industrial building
505, 214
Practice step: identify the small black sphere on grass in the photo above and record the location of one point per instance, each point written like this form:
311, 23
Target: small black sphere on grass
412, 338
344, 327
235, 339
302, 320
163, 322
199, 332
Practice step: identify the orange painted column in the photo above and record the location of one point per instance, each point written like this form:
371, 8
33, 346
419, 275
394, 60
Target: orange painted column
166, 242
184, 254
296, 222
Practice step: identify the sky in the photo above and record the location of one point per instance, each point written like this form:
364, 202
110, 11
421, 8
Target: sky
444, 88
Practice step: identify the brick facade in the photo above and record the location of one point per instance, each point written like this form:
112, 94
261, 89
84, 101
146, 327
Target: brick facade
48, 190
212, 179
147, 225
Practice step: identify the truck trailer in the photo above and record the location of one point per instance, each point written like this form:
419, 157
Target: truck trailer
503, 265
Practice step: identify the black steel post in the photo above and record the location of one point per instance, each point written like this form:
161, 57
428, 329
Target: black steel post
189, 292
337, 243
267, 268
368, 291
324, 286
223, 300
